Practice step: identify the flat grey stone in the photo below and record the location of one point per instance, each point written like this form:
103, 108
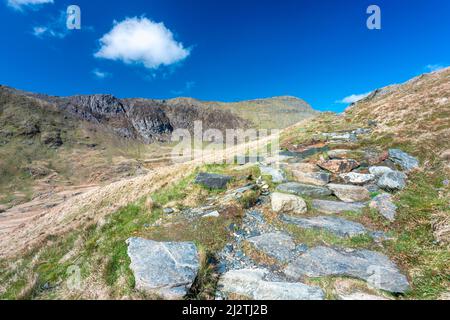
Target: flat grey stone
301, 189
406, 161
373, 267
251, 283
276, 173
212, 180
384, 205
167, 269
392, 181
357, 178
338, 226
349, 193
315, 178
277, 245
378, 171
332, 207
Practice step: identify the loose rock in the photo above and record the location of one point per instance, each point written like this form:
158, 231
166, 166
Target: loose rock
276, 174
212, 180
277, 245
333, 207
403, 159
288, 203
384, 205
392, 181
338, 226
251, 283
379, 171
349, 193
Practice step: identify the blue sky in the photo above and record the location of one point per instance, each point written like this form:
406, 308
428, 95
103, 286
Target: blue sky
229, 50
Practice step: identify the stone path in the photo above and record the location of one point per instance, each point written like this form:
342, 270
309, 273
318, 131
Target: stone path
332, 187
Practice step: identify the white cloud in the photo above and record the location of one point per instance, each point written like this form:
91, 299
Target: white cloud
353, 98
20, 4
434, 67
100, 74
142, 41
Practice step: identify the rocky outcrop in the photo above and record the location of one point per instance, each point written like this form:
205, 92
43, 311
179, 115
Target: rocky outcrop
165, 269
288, 203
277, 245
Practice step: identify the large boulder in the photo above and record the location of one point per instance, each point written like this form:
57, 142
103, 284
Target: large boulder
385, 206
338, 165
288, 203
334, 207
301, 189
252, 283
371, 266
166, 269
392, 181
335, 225
349, 193
404, 160
212, 180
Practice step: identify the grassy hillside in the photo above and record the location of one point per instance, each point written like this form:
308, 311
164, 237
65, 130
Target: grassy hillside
270, 113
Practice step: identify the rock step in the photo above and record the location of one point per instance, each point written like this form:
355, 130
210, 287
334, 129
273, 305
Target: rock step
335, 225
373, 267
336, 207
166, 269
253, 284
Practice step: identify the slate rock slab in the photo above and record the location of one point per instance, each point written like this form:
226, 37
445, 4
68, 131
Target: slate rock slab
212, 180
251, 283
301, 189
373, 267
349, 193
167, 269
338, 226
385, 206
288, 203
315, 178
276, 173
335, 207
392, 181
406, 161
277, 245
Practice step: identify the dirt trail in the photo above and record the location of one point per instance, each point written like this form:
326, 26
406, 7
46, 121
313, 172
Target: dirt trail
29, 225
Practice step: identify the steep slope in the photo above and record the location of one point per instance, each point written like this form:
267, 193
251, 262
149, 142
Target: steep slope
416, 112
